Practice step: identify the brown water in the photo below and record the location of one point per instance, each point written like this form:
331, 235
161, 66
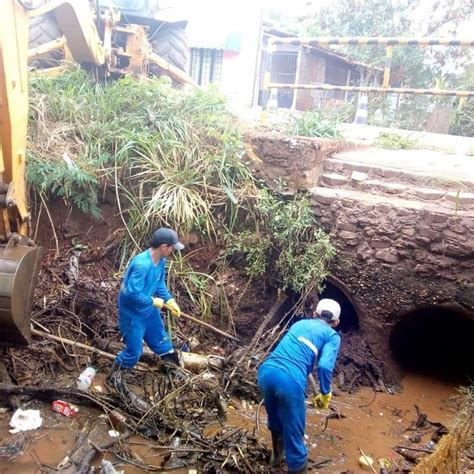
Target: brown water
375, 428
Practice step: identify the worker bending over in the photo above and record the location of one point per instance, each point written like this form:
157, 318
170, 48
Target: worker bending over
282, 378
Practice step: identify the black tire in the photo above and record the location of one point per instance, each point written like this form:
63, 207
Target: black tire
43, 29
170, 42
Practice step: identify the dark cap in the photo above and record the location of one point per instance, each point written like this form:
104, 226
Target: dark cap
166, 236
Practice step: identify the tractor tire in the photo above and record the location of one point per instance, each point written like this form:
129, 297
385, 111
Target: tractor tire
170, 42
44, 29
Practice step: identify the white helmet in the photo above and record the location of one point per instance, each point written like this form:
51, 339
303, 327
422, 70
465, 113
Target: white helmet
326, 306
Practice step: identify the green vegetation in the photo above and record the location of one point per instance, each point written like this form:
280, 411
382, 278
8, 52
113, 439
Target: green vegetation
313, 124
286, 245
175, 158
463, 120
393, 141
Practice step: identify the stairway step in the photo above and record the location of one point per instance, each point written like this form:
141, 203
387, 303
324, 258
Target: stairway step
446, 206
334, 179
362, 182
337, 165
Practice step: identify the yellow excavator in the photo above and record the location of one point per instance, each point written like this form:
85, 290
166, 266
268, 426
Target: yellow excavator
109, 38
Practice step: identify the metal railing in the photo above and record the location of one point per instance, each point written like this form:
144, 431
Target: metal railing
388, 42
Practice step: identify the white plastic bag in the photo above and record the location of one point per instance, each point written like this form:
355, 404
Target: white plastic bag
25, 420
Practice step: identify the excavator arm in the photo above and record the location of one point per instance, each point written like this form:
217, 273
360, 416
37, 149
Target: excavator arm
78, 20
19, 258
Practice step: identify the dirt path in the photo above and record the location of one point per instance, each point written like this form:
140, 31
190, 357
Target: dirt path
373, 424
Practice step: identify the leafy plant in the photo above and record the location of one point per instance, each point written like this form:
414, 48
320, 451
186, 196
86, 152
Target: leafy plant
76, 182
394, 141
463, 120
313, 124
287, 247
195, 284
255, 249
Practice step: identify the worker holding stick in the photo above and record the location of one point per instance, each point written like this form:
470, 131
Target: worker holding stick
143, 294
282, 379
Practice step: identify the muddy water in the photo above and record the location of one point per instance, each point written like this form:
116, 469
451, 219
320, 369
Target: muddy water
375, 423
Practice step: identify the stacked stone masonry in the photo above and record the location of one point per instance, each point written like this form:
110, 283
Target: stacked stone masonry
404, 239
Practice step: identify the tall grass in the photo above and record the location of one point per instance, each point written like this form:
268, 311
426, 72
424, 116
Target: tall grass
171, 158
313, 124
176, 157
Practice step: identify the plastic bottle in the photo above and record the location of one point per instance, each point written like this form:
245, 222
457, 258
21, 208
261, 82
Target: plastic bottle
84, 380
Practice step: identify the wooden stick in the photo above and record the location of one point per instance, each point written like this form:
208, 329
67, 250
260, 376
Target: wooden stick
206, 325
190, 360
365, 457
63, 340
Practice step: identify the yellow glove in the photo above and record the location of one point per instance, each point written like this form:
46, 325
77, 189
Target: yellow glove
322, 401
173, 307
158, 302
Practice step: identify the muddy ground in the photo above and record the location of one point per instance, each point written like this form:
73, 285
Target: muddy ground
374, 410
376, 424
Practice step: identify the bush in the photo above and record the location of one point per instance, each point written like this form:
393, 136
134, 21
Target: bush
286, 246
313, 124
463, 120
175, 157
393, 141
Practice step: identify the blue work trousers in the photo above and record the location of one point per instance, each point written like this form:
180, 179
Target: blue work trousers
136, 329
286, 410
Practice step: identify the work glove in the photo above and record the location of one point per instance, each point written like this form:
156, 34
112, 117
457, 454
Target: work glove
322, 401
173, 307
158, 302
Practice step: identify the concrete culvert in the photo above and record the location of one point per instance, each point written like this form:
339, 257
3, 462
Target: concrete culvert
435, 340
335, 290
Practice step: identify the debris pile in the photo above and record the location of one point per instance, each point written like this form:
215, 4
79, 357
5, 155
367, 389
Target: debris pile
74, 326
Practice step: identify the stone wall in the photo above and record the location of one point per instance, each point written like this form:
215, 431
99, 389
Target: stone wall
392, 261
400, 246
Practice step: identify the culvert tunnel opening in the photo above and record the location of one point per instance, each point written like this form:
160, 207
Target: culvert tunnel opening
349, 317
349, 321
435, 341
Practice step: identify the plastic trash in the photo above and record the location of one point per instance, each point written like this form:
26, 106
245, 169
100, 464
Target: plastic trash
84, 380
25, 420
366, 462
65, 408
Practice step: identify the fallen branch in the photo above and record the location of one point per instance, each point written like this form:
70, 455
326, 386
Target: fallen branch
420, 450
81, 459
206, 325
63, 340
275, 307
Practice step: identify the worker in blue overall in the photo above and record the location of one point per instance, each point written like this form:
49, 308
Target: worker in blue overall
142, 295
282, 379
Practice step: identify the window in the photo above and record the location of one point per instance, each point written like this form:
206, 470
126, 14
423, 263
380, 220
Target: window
206, 65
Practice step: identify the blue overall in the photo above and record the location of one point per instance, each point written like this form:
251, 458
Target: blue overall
139, 320
282, 379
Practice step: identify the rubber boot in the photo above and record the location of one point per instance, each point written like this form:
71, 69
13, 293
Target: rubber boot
302, 470
115, 381
278, 449
171, 359
173, 366
114, 378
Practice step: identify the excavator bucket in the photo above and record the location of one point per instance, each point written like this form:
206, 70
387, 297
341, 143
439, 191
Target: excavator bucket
19, 268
